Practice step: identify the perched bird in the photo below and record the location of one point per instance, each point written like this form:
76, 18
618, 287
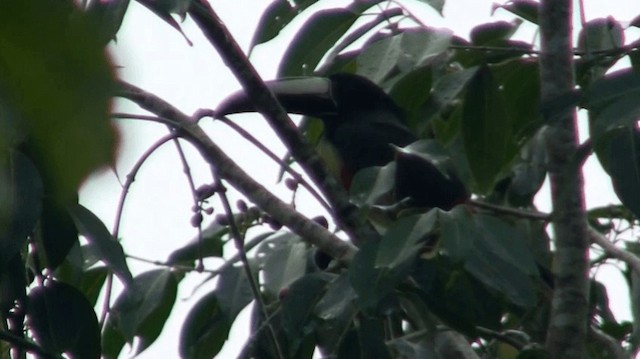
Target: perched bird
361, 123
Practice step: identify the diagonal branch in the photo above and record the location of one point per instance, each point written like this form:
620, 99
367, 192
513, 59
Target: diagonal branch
228, 170
631, 259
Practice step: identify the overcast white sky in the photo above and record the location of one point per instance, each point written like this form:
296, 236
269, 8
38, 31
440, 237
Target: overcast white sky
155, 57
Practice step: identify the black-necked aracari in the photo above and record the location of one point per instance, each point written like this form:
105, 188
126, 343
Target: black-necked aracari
362, 123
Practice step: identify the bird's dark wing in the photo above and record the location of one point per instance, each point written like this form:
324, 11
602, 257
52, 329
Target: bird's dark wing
365, 139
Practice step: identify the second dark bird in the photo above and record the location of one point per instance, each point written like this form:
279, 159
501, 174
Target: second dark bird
361, 123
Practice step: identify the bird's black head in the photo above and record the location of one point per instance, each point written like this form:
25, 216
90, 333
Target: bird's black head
354, 92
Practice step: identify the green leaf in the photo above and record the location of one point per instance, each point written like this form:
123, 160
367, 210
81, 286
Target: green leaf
335, 311
597, 36
234, 291
92, 283
209, 246
599, 301
610, 88
444, 101
371, 338
373, 284
206, 327
21, 194
13, 284
622, 112
337, 300
107, 17
538, 352
58, 234
382, 17
498, 236
411, 92
457, 234
98, 235
621, 149
164, 8
437, 5
342, 62
487, 130
63, 321
600, 35
275, 18
284, 266
112, 341
527, 176
411, 49
456, 297
143, 308
404, 240
404, 348
519, 81
298, 306
372, 185
319, 34
204, 330
493, 33
449, 87
526, 9
57, 81
486, 247
89, 281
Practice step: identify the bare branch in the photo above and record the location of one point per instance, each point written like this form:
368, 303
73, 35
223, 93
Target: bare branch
632, 260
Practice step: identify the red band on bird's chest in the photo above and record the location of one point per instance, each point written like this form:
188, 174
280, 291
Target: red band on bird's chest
346, 177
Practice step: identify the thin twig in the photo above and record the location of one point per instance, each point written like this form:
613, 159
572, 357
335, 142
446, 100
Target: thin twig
495, 49
354, 35
123, 195
629, 258
238, 240
196, 200
183, 268
254, 141
27, 345
540, 216
501, 337
410, 14
251, 342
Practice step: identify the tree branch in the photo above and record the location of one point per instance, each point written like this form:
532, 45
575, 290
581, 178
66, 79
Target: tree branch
629, 258
27, 345
608, 343
521, 213
345, 214
309, 230
568, 324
